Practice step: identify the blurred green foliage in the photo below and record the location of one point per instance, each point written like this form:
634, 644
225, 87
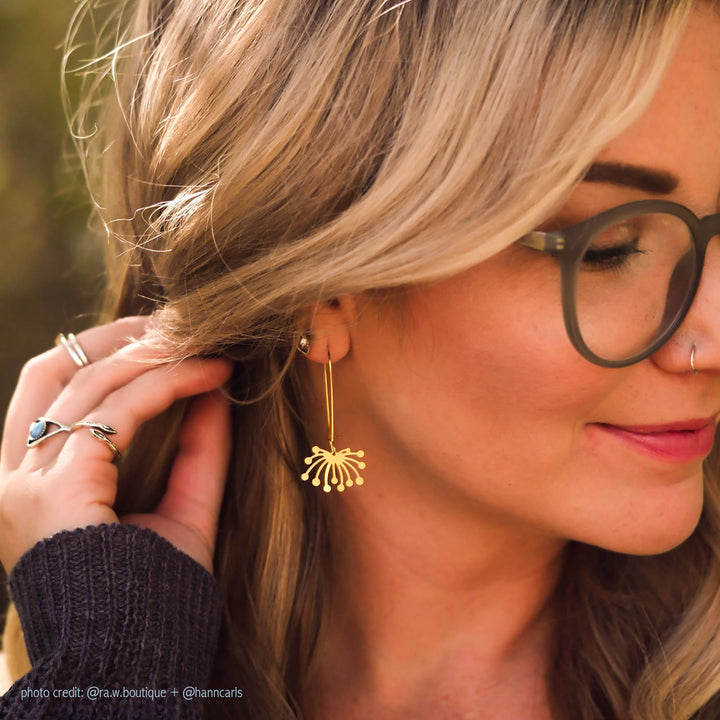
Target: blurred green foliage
50, 264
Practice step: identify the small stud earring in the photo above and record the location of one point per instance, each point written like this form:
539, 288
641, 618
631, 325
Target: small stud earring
333, 468
304, 345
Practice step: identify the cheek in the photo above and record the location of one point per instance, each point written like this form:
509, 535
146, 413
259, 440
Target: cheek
497, 351
480, 392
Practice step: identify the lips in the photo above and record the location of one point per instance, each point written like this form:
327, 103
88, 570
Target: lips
684, 441
681, 426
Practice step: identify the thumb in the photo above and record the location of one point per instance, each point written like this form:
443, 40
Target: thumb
197, 480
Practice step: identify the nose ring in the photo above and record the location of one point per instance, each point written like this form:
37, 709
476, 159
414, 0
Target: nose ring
692, 361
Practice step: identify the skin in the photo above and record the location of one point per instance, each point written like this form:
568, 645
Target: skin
478, 420
70, 481
479, 424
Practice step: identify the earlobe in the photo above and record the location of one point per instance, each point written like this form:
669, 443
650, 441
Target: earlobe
327, 329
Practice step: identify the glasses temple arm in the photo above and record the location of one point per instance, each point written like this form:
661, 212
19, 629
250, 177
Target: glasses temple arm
544, 241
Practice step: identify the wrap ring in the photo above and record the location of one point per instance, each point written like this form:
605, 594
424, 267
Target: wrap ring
102, 436
39, 429
71, 344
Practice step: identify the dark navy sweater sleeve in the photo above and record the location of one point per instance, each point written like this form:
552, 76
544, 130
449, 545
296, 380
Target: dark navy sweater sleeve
118, 623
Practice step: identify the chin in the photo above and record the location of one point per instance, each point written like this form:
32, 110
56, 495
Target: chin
666, 539
657, 523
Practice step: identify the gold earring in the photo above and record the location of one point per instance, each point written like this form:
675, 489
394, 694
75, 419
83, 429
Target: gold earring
339, 468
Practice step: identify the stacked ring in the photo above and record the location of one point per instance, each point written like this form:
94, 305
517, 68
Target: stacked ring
71, 344
39, 430
101, 436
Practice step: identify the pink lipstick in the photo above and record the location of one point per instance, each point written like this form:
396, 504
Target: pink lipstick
682, 441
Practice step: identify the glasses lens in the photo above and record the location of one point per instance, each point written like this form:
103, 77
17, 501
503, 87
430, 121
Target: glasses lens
632, 282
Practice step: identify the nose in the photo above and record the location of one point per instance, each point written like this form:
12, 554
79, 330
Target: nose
701, 327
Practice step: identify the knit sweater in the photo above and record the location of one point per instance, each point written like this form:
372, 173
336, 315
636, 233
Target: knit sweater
118, 625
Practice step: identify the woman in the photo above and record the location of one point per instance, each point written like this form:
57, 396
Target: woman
433, 272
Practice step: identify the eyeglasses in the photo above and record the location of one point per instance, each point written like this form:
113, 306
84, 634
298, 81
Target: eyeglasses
629, 276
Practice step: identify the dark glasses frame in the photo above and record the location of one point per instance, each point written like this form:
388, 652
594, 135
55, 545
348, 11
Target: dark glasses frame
569, 246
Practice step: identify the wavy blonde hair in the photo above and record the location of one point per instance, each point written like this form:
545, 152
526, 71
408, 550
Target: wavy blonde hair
255, 157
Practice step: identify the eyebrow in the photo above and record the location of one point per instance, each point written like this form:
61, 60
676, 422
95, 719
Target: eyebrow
658, 182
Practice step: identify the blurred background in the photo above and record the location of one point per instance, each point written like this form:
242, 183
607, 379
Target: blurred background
50, 263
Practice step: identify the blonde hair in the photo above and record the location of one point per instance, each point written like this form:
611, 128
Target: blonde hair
260, 156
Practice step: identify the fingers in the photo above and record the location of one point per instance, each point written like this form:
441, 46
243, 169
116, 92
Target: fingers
87, 388
128, 397
69, 480
44, 377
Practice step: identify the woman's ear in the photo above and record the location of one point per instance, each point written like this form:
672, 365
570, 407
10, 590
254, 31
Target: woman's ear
327, 326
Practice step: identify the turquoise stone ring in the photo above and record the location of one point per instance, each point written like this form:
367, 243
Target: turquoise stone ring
39, 429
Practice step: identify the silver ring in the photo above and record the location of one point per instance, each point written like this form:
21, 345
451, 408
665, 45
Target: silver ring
692, 361
101, 436
39, 429
71, 344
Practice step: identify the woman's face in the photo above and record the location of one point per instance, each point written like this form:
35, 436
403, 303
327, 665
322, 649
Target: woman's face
477, 401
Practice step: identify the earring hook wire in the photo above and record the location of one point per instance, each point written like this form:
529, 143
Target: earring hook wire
329, 401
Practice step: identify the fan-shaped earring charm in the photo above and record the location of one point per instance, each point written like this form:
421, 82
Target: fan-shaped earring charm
333, 468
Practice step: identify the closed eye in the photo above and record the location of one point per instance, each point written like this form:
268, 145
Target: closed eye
613, 257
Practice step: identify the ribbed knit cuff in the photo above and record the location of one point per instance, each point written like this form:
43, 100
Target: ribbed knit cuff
118, 603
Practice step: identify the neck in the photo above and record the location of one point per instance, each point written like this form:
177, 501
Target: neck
431, 596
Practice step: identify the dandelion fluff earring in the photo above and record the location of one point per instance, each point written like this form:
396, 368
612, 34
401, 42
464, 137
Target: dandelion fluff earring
333, 468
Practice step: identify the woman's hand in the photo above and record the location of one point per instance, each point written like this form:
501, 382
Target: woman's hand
70, 481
